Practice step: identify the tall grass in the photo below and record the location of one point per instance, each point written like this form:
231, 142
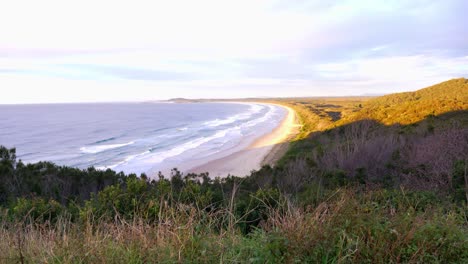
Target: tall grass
345, 227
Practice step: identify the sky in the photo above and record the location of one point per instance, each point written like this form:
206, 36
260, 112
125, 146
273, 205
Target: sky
55, 51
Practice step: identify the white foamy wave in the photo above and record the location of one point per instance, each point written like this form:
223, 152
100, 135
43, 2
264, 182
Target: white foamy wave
161, 156
152, 158
254, 108
267, 116
126, 160
100, 148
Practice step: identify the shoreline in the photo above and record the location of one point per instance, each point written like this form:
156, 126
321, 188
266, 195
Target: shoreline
290, 124
265, 150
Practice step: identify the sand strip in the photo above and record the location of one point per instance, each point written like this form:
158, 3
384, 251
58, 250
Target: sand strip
267, 149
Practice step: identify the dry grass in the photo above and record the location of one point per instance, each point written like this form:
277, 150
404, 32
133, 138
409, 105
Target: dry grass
116, 241
346, 227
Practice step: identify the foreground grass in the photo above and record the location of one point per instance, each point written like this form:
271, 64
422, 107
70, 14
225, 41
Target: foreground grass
345, 227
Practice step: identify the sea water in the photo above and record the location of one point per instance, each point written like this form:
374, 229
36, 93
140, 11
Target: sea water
133, 137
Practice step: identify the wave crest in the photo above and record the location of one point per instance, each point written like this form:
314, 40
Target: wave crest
100, 148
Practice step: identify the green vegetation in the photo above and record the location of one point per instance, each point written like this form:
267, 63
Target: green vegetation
368, 180
411, 107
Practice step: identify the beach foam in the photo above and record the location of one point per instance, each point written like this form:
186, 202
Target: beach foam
254, 109
100, 148
158, 157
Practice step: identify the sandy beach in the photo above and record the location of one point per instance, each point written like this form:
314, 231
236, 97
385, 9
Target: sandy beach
267, 149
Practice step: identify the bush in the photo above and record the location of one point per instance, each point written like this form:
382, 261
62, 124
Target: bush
36, 210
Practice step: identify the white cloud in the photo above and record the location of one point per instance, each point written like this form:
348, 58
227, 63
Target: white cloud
398, 68
379, 48
55, 50
400, 71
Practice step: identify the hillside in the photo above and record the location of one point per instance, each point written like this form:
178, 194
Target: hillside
416, 140
411, 107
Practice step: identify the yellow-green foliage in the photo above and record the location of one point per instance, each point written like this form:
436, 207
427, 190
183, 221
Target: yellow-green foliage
411, 107
309, 120
319, 114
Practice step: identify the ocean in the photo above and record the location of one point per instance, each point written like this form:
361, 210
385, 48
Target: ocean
134, 137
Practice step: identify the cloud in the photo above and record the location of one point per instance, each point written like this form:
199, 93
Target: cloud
121, 72
242, 48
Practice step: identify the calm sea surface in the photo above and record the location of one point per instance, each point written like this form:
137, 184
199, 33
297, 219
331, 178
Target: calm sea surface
132, 137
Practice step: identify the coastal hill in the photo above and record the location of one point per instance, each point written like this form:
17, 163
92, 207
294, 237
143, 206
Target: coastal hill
368, 180
410, 107
184, 100
412, 138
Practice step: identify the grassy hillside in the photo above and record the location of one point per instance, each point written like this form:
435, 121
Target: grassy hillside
368, 180
419, 111
411, 107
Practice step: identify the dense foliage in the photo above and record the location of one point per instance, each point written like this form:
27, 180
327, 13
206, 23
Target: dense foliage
356, 186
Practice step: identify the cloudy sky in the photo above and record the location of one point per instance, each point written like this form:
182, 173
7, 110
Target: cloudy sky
88, 50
